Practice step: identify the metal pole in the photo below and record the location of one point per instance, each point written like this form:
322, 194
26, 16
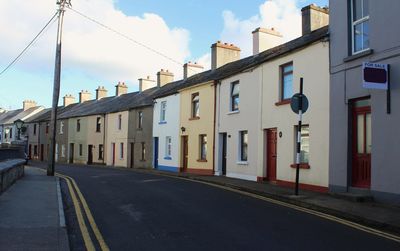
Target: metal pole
296, 192
56, 90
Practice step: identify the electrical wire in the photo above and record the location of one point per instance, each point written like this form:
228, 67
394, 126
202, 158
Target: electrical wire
29, 45
125, 36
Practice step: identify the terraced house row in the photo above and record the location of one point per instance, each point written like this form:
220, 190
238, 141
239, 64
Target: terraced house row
235, 119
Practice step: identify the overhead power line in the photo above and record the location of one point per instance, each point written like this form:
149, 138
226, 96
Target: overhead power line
125, 36
29, 45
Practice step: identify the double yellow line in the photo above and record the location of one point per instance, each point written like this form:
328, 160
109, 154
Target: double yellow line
79, 203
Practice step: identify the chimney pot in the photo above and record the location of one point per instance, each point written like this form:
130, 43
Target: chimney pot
68, 99
164, 77
313, 17
120, 89
146, 83
264, 39
222, 54
84, 96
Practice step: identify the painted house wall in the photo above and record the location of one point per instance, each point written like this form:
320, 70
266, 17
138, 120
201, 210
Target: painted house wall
85, 137
117, 136
311, 63
168, 128
138, 136
346, 84
195, 127
247, 118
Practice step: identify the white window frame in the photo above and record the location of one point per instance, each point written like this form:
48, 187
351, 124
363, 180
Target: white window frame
354, 23
61, 127
163, 111
168, 146
233, 84
240, 147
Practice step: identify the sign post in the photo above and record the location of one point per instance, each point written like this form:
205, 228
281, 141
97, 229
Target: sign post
299, 105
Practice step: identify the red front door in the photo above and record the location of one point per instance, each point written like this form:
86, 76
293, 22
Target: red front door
271, 154
113, 153
361, 168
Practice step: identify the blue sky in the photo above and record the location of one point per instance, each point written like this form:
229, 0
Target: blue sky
92, 56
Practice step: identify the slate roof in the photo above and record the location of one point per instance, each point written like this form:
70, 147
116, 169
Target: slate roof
245, 63
4, 117
18, 114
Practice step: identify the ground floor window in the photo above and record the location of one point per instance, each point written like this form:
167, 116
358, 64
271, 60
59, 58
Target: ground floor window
143, 151
203, 146
63, 151
101, 152
35, 150
243, 145
80, 150
304, 143
168, 146
121, 150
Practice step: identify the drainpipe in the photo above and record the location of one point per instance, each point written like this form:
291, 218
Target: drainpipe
215, 111
104, 138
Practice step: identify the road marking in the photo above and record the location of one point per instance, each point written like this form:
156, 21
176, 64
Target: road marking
85, 233
89, 215
298, 208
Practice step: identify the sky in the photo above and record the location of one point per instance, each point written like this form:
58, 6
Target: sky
94, 56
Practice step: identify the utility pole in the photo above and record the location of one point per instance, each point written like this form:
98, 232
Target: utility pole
56, 87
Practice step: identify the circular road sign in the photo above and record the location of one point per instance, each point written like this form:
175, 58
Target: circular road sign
295, 103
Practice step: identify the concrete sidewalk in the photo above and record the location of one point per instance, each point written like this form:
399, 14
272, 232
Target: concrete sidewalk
381, 216
31, 215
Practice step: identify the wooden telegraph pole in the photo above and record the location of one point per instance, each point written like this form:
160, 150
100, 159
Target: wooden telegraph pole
56, 86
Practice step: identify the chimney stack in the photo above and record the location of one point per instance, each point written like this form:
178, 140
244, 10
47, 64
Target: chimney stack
164, 77
120, 89
264, 39
101, 92
146, 83
223, 53
26, 104
68, 99
313, 18
190, 69
84, 96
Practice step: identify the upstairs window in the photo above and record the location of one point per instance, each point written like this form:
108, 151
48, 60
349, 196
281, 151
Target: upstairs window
286, 81
34, 129
140, 120
163, 110
360, 25
235, 96
78, 125
61, 127
143, 152
119, 122
47, 128
195, 105
98, 124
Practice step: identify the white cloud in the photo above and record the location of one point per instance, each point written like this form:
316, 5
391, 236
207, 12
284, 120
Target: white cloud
283, 15
87, 48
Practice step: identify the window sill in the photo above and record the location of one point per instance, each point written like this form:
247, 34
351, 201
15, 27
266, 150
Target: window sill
302, 166
168, 158
194, 118
162, 122
233, 112
283, 102
96, 131
139, 129
358, 55
243, 163
201, 160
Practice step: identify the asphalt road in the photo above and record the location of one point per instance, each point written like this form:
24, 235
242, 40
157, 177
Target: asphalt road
139, 211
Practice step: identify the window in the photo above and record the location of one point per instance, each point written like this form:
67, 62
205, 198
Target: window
101, 152
63, 151
163, 110
61, 127
203, 147
304, 144
143, 157
34, 129
286, 81
80, 150
98, 124
47, 128
121, 150
168, 146
243, 138
119, 122
35, 150
235, 96
195, 105
140, 120
360, 25
78, 125
11, 135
